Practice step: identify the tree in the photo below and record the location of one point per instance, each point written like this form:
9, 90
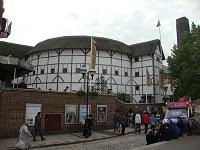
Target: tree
184, 65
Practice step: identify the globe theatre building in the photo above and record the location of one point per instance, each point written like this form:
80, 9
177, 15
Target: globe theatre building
119, 67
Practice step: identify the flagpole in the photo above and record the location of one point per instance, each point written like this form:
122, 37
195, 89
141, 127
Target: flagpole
161, 52
146, 94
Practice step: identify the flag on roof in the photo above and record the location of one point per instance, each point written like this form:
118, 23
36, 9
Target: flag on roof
158, 24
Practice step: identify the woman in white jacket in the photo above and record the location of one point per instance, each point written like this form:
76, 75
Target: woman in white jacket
24, 138
137, 123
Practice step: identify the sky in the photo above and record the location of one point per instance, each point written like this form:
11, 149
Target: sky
128, 21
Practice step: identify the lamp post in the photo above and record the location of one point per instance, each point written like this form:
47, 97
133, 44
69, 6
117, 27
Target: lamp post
86, 75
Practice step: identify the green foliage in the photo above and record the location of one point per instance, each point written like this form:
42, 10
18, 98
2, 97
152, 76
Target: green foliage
123, 97
81, 93
184, 65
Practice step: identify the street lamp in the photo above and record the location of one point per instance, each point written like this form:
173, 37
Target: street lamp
86, 74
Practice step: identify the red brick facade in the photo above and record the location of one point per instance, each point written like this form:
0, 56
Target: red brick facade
13, 108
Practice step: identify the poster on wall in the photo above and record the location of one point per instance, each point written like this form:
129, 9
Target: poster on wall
101, 113
71, 114
83, 112
31, 112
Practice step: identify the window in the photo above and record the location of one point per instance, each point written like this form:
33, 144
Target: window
42, 71
136, 59
52, 70
126, 74
137, 87
104, 71
70, 114
33, 72
116, 72
78, 70
137, 74
64, 70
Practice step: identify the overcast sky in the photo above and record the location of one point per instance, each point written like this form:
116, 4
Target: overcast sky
129, 21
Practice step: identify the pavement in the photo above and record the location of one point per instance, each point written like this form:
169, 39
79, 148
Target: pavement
64, 139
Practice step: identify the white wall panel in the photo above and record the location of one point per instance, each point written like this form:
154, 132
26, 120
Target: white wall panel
44, 54
79, 59
125, 64
104, 61
117, 79
52, 86
43, 61
66, 77
125, 57
65, 59
51, 77
116, 62
103, 53
77, 52
42, 86
34, 62
53, 60
53, 53
117, 55
67, 52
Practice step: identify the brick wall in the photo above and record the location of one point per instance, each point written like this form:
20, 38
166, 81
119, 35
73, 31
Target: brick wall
13, 108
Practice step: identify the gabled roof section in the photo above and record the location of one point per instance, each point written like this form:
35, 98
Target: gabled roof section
14, 50
146, 48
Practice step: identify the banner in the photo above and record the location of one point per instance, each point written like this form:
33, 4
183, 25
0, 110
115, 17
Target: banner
93, 54
149, 82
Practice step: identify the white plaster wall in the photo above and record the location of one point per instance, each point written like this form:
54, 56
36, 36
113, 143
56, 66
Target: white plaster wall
65, 59
103, 53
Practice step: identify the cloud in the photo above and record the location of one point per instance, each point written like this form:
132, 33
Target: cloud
129, 21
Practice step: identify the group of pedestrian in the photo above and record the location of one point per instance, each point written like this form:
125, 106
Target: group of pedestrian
25, 135
167, 130
120, 123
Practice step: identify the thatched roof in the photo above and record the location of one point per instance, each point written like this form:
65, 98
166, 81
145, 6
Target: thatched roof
77, 42
146, 48
14, 50
69, 42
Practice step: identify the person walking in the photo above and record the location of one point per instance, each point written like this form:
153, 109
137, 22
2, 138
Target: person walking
24, 138
153, 122
145, 120
137, 123
37, 127
123, 122
88, 126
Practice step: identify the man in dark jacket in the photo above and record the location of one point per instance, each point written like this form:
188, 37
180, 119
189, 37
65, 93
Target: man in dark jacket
37, 127
88, 126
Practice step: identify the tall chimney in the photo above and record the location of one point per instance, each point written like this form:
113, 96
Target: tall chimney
182, 25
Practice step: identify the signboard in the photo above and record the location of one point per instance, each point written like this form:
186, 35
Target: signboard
83, 112
177, 105
70, 114
101, 113
31, 112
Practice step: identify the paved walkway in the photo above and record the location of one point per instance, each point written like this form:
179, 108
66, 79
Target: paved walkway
63, 139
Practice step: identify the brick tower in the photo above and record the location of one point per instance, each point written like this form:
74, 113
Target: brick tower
182, 25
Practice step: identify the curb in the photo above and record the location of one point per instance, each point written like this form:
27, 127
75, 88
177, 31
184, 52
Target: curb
70, 143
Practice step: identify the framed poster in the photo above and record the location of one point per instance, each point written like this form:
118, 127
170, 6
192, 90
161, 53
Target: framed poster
70, 114
83, 112
31, 112
101, 113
